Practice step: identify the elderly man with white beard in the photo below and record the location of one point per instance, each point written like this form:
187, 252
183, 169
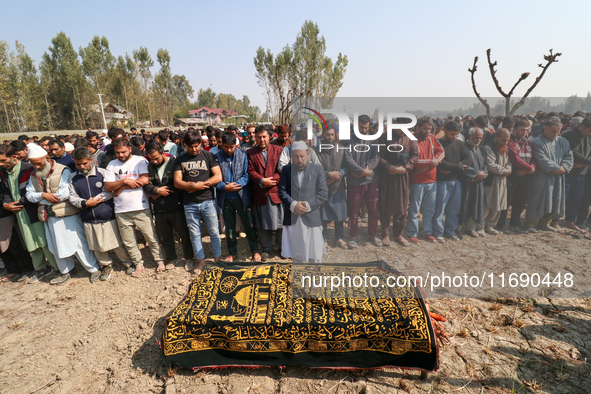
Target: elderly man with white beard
63, 227
303, 190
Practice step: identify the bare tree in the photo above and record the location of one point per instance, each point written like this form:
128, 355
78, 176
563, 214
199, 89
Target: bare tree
482, 100
550, 58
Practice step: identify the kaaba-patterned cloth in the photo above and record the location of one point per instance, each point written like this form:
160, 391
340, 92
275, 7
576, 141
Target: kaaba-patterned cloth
240, 314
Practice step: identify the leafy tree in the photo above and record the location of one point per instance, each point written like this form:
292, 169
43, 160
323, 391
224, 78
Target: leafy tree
66, 83
29, 93
182, 90
144, 62
98, 63
206, 98
299, 73
5, 98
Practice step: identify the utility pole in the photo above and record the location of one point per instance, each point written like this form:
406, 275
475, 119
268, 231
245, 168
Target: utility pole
103, 111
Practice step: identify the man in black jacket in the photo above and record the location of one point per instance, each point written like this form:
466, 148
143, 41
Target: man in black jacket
579, 139
449, 187
167, 205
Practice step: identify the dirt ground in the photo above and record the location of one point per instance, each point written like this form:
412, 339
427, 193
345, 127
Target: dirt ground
102, 337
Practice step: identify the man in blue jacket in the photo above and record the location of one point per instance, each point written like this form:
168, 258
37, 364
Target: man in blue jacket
233, 197
87, 192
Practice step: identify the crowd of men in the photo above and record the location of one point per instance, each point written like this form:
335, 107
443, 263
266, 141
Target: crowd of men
68, 198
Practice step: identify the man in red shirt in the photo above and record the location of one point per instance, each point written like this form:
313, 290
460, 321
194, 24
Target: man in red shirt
423, 187
521, 156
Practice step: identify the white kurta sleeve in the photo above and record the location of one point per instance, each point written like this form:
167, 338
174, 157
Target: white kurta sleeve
33, 195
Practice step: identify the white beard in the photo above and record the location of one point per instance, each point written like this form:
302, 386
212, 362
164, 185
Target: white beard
43, 173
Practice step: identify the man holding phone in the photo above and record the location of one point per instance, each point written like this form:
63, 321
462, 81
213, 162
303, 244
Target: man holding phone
15, 175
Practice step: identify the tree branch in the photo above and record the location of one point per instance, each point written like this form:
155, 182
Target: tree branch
483, 101
521, 78
493, 73
551, 58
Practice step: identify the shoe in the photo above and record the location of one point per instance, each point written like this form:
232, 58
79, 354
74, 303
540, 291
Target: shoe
491, 230
352, 244
95, 276
473, 234
583, 226
429, 238
481, 233
106, 272
531, 230
501, 230
129, 270
8, 277
264, 256
63, 278
3, 272
547, 228
342, 244
453, 236
40, 274
25, 276
460, 235
377, 242
440, 239
518, 229
414, 240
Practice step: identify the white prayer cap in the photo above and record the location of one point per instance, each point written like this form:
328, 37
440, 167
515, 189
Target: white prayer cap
204, 137
105, 131
299, 145
35, 151
68, 147
31, 143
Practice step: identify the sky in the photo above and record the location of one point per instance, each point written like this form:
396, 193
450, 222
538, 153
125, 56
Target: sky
395, 49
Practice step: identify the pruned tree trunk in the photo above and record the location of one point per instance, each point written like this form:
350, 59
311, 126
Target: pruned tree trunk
7, 119
550, 58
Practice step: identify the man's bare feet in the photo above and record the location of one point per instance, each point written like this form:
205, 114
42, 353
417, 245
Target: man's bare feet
138, 270
257, 258
229, 259
559, 229
200, 266
572, 226
161, 267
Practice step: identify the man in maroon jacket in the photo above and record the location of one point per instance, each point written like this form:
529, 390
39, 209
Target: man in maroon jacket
264, 175
521, 156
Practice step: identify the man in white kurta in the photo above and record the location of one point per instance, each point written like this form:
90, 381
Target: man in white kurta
303, 190
65, 235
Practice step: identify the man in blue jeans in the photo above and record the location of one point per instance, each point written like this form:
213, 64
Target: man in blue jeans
449, 187
423, 188
196, 172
